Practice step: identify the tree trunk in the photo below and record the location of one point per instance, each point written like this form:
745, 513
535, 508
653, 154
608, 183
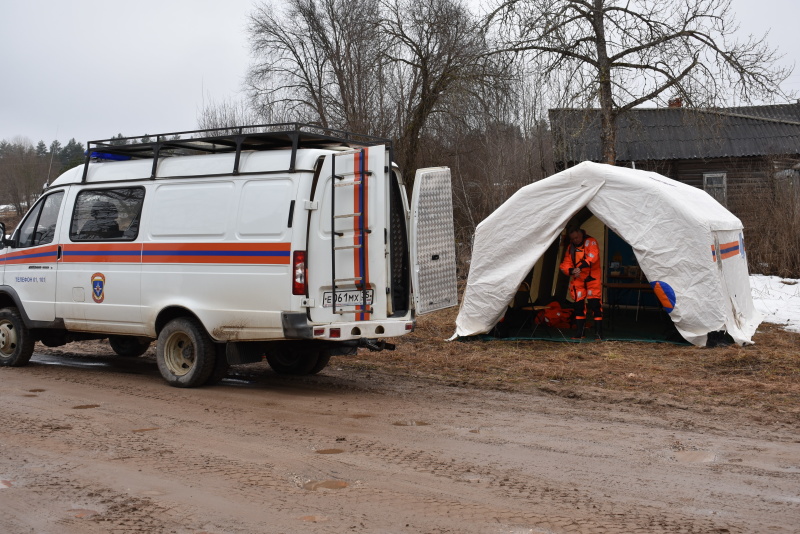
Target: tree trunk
608, 115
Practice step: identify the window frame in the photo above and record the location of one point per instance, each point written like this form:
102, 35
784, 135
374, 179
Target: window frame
74, 233
712, 188
36, 213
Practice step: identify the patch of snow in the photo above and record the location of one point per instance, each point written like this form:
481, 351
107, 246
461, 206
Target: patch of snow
778, 299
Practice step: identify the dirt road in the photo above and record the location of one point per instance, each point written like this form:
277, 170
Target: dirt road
94, 443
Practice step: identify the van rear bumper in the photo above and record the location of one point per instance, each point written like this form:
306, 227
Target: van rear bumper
296, 326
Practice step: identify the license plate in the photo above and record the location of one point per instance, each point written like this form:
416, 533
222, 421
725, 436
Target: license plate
346, 298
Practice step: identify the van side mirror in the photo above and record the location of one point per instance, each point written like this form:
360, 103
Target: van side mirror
3, 241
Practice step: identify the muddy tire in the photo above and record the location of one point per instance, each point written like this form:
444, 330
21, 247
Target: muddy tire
221, 366
16, 343
129, 346
293, 362
185, 353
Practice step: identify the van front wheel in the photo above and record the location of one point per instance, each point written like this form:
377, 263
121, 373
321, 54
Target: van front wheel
16, 343
185, 353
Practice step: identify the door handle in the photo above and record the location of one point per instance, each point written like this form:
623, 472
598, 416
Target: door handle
58, 256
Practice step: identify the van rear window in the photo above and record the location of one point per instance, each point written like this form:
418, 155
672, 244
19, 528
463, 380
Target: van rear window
107, 214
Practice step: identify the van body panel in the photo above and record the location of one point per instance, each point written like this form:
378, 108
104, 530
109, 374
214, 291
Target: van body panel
32, 273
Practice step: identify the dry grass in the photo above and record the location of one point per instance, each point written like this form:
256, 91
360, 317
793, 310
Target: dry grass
762, 379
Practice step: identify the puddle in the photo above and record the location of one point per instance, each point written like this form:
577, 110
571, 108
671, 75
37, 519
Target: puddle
695, 457
475, 431
410, 423
81, 512
360, 416
85, 406
330, 451
314, 485
5, 484
314, 518
145, 429
37, 390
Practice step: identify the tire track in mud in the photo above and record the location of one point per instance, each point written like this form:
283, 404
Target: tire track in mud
430, 485
464, 478
119, 512
86, 509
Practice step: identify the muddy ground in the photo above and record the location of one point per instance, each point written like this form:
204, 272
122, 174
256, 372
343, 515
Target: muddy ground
95, 443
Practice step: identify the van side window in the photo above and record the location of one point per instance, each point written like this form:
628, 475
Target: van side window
39, 227
107, 214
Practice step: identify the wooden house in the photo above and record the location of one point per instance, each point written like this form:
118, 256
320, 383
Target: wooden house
735, 154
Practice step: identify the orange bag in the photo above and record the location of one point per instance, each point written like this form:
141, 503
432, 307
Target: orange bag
556, 316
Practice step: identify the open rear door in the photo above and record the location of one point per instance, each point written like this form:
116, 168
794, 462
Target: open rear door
346, 244
433, 244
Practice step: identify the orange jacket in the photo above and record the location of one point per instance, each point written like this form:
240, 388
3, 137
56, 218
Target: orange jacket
589, 283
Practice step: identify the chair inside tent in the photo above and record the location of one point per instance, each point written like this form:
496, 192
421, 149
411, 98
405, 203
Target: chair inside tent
543, 309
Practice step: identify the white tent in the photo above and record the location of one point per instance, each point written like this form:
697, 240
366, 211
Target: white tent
689, 247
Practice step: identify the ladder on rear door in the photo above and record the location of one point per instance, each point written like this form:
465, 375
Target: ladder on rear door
360, 231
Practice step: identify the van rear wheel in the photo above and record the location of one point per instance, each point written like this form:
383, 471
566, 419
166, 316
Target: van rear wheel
185, 353
16, 343
293, 362
129, 346
322, 362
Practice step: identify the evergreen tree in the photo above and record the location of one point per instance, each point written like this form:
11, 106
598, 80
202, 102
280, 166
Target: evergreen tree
71, 155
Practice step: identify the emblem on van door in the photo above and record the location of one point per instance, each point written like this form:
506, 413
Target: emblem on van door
98, 287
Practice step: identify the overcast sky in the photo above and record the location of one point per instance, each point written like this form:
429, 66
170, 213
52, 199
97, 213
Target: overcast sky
91, 69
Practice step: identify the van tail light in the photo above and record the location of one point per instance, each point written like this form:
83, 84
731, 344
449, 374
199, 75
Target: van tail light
299, 273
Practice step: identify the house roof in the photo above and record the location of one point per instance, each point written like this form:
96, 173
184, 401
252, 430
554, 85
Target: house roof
680, 133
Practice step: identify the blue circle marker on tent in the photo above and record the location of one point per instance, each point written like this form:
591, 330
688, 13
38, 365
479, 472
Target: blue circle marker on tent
665, 294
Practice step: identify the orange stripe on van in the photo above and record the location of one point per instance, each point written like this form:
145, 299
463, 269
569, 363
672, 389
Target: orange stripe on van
103, 253
229, 253
360, 162
42, 254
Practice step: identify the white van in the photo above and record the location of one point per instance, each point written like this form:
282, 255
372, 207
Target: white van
286, 241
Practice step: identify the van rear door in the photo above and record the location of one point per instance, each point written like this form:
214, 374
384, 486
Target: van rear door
433, 254
347, 251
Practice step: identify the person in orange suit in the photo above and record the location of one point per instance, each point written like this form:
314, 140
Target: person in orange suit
582, 264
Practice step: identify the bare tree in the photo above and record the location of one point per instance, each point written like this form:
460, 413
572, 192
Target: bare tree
382, 67
229, 113
619, 54
441, 60
319, 61
23, 173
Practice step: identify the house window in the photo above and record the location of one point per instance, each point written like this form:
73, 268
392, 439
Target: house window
716, 185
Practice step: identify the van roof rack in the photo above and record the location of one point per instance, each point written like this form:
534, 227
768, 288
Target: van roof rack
289, 135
